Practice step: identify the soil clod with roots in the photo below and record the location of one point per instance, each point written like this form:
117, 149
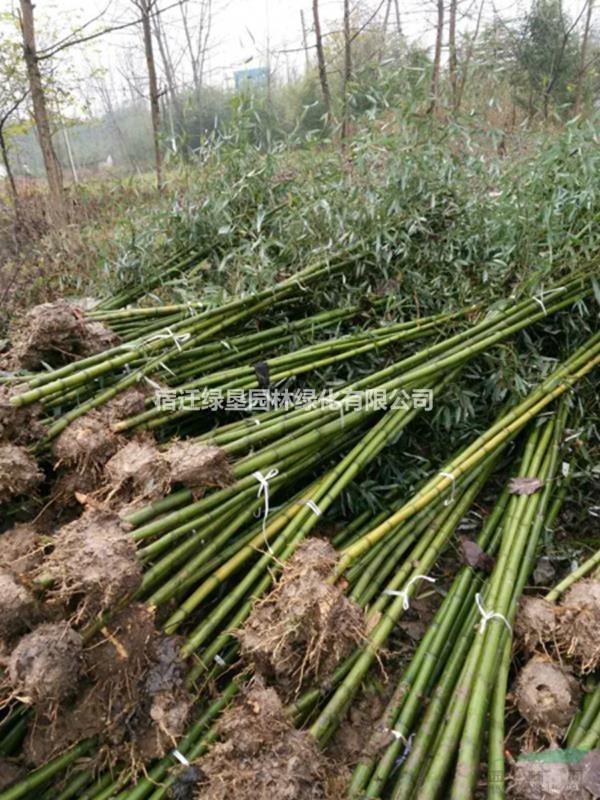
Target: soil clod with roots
10, 773
261, 756
18, 607
94, 563
55, 334
86, 444
305, 626
546, 696
535, 624
137, 473
18, 424
21, 549
579, 625
547, 777
19, 473
132, 697
44, 667
198, 466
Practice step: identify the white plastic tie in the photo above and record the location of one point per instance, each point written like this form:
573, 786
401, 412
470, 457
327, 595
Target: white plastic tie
404, 592
263, 489
219, 661
486, 616
178, 339
313, 507
181, 758
540, 302
449, 500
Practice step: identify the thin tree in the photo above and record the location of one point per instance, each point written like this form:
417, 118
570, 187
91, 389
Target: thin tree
437, 58
347, 70
12, 186
583, 65
146, 8
57, 208
452, 54
323, 79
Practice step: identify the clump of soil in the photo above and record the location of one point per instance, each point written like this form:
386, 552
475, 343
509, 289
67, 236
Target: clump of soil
44, 666
137, 472
198, 466
546, 696
86, 444
19, 473
18, 424
9, 773
549, 779
21, 549
94, 562
96, 338
17, 606
261, 756
578, 626
55, 334
535, 623
126, 404
305, 626
133, 697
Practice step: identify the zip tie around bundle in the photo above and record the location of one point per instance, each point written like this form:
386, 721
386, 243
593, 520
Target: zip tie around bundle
181, 758
449, 500
486, 616
404, 592
263, 489
178, 339
220, 662
313, 507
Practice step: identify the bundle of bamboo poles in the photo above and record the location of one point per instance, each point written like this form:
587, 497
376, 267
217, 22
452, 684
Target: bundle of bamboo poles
383, 562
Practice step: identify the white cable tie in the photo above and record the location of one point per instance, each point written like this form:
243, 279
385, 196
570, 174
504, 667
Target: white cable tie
181, 758
404, 592
152, 383
313, 507
486, 616
540, 302
219, 661
263, 489
449, 500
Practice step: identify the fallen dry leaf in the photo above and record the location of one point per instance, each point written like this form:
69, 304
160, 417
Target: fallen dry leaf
525, 485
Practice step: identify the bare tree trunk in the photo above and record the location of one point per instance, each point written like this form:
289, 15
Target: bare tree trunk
452, 54
12, 186
437, 57
145, 7
583, 60
169, 71
467, 60
304, 40
347, 70
57, 211
398, 20
321, 62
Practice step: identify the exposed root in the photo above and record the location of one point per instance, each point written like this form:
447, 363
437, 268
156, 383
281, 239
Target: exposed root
125, 404
44, 667
86, 444
55, 334
535, 623
305, 626
546, 696
579, 624
18, 424
133, 697
18, 608
137, 473
198, 466
10, 773
94, 563
547, 776
19, 473
21, 550
261, 755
